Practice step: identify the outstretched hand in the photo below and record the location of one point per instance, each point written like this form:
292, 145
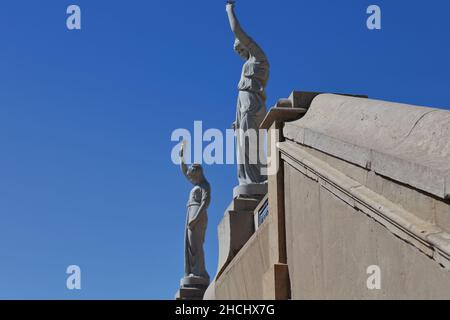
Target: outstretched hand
182, 151
230, 4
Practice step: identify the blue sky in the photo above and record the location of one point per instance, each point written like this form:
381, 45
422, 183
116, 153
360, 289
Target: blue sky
86, 117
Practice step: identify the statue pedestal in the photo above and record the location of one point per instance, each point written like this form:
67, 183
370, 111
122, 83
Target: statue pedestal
253, 191
192, 288
190, 294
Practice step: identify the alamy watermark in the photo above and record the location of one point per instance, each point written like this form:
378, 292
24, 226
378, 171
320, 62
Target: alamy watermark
216, 147
73, 281
374, 20
73, 22
374, 279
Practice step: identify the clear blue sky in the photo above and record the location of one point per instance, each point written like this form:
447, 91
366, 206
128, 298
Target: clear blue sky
86, 117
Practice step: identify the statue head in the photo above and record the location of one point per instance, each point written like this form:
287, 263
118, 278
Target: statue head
195, 174
241, 50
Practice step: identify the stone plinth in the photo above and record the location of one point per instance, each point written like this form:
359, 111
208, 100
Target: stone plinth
192, 288
252, 191
190, 294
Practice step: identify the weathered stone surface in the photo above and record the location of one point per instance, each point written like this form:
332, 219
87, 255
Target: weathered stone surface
281, 114
234, 230
194, 282
442, 214
419, 203
276, 283
406, 143
190, 294
359, 186
253, 190
243, 204
332, 241
243, 278
237, 233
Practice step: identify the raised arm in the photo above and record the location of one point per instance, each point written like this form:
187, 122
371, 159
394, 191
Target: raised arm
184, 167
254, 49
239, 33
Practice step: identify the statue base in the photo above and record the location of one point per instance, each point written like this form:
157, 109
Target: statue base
254, 190
192, 288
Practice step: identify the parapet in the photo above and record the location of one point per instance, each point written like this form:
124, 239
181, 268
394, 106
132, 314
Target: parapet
405, 143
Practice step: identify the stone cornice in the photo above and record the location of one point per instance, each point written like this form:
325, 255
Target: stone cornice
405, 143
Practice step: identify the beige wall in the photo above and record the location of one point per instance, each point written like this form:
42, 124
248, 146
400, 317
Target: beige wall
243, 278
421, 204
330, 244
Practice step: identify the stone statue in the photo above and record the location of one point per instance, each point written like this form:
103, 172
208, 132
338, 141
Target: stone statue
196, 222
251, 105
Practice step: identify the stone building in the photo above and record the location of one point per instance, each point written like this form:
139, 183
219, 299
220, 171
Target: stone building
361, 183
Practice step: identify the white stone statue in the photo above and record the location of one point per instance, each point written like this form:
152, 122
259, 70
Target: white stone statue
251, 105
196, 223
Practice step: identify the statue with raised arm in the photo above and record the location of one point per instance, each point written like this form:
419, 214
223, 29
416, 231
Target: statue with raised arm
195, 273
251, 105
